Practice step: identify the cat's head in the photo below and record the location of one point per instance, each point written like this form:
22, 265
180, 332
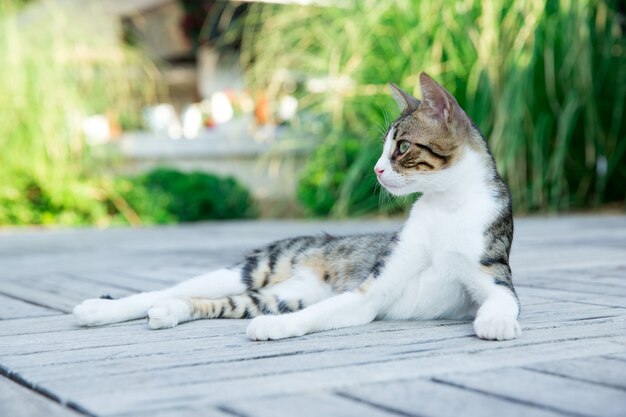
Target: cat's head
426, 140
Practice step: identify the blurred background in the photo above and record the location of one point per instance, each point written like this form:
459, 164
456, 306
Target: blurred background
130, 112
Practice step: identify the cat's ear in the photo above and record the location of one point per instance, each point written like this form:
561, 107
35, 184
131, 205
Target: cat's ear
406, 102
440, 103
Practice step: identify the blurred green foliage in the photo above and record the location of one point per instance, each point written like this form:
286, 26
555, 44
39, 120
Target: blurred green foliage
25, 199
168, 196
321, 183
327, 185
58, 65
545, 80
157, 197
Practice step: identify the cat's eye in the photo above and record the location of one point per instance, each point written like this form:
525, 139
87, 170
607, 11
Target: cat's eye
404, 146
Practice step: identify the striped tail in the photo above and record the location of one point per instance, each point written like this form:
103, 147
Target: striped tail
244, 306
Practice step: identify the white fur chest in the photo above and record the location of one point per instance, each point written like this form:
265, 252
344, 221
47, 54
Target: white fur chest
447, 238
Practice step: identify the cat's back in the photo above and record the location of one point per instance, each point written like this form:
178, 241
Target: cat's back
343, 262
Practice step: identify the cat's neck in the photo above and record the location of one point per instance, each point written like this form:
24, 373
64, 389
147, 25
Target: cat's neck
465, 201
464, 183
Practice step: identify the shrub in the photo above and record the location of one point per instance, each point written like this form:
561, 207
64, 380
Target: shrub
158, 197
166, 196
24, 199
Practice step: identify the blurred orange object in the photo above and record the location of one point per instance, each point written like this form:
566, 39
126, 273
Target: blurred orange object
262, 110
114, 125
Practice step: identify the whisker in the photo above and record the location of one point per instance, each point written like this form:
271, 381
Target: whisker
386, 200
383, 126
385, 116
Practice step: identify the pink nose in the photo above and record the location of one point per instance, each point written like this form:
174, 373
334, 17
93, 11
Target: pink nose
379, 171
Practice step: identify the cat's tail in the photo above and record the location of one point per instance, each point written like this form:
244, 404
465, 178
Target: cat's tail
169, 313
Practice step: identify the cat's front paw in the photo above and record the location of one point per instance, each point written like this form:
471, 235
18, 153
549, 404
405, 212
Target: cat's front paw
495, 327
96, 312
168, 313
273, 328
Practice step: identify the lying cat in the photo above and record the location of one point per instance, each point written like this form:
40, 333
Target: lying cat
449, 261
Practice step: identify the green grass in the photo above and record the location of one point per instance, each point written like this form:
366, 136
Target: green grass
545, 81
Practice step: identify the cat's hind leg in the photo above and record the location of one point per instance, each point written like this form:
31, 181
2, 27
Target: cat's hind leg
304, 288
216, 284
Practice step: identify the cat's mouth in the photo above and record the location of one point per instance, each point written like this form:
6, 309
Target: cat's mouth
389, 185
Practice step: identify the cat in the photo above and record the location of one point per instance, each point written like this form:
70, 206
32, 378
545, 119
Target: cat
450, 260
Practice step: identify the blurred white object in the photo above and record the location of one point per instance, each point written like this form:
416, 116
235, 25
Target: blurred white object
287, 107
163, 120
336, 84
246, 103
97, 129
192, 121
317, 85
221, 109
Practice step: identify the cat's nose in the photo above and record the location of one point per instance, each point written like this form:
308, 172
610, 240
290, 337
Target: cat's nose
379, 171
